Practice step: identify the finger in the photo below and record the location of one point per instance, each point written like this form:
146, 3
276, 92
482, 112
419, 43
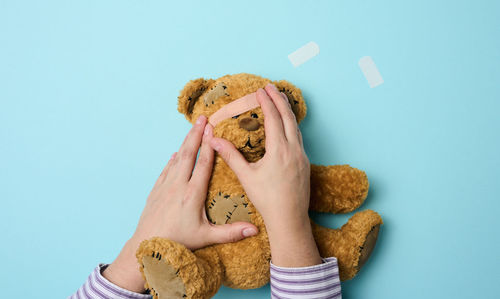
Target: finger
301, 141
299, 133
233, 158
273, 125
169, 164
203, 169
189, 149
285, 110
233, 232
164, 172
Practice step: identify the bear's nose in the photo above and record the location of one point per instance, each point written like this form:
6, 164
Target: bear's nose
249, 124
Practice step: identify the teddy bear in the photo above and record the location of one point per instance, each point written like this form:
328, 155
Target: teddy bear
173, 271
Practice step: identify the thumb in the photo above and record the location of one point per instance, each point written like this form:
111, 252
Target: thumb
233, 232
231, 155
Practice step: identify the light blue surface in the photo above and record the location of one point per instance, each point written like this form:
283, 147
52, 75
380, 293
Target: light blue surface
88, 118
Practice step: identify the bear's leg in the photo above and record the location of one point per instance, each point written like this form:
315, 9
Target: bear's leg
173, 271
337, 188
246, 262
352, 244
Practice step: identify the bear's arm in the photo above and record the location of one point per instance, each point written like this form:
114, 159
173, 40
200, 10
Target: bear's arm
337, 188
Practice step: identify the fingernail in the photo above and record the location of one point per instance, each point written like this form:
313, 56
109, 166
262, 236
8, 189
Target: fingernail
248, 232
216, 145
207, 129
286, 99
272, 86
263, 93
199, 120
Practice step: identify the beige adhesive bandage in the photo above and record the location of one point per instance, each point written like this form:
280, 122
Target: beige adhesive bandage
234, 108
370, 71
304, 53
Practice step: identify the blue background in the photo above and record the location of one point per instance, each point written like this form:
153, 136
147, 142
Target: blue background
88, 119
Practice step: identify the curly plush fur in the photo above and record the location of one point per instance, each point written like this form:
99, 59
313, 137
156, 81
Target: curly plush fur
171, 270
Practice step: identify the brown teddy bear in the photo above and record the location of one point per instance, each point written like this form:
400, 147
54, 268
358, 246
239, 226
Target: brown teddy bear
173, 271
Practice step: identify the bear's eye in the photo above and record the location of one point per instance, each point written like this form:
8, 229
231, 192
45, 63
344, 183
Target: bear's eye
254, 115
236, 116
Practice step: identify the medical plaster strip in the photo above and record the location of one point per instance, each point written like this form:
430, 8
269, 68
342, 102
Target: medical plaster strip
304, 53
234, 108
370, 71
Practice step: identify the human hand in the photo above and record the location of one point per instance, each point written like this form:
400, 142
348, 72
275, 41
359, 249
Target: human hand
175, 209
279, 183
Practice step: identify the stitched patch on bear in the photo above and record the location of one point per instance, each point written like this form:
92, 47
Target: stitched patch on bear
223, 209
162, 278
367, 248
216, 92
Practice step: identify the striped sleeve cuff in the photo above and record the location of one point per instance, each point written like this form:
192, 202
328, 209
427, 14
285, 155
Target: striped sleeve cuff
318, 281
98, 287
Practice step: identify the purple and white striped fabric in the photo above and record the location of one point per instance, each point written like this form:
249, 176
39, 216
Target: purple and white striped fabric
98, 287
318, 281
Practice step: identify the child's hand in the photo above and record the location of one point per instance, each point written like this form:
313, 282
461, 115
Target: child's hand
175, 209
278, 184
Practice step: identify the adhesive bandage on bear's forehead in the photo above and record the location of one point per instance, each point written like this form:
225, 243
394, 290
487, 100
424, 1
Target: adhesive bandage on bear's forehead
234, 108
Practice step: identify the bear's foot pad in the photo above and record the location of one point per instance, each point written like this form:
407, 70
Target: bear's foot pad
163, 279
368, 245
223, 209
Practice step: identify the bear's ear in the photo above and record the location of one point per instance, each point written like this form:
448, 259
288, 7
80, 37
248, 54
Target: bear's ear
295, 98
190, 94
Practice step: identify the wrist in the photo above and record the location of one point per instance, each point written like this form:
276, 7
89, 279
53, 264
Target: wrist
292, 243
281, 231
282, 223
124, 270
